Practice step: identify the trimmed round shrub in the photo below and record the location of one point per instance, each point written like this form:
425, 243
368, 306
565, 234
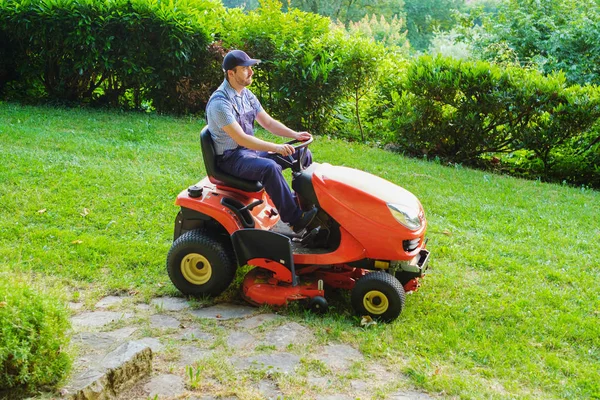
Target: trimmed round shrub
33, 335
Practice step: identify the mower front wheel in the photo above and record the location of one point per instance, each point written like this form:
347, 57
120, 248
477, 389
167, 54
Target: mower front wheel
379, 295
201, 264
318, 305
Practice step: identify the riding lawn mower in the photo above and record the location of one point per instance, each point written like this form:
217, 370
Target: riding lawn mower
368, 237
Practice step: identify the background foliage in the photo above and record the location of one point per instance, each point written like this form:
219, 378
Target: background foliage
123, 52
358, 78
461, 111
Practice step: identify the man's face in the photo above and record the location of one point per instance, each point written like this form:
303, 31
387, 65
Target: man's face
242, 76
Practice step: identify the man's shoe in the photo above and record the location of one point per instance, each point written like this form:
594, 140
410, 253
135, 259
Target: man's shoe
305, 219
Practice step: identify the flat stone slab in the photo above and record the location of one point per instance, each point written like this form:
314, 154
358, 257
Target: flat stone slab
288, 334
109, 301
125, 353
192, 354
95, 341
256, 321
143, 307
269, 390
409, 395
170, 303
103, 340
359, 385
97, 319
193, 334
86, 385
319, 381
380, 375
276, 362
339, 356
117, 371
165, 385
122, 333
83, 363
162, 321
224, 312
153, 343
240, 340
75, 306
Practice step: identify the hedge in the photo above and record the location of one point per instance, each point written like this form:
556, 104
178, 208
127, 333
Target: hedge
122, 52
462, 111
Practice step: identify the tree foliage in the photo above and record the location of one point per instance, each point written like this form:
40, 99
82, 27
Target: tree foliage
423, 17
349, 10
548, 35
390, 33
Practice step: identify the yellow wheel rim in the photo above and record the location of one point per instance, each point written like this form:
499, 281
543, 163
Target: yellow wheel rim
376, 302
196, 269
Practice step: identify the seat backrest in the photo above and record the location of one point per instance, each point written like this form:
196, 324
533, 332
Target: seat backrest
215, 174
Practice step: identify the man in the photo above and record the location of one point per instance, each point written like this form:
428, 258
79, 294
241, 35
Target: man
231, 112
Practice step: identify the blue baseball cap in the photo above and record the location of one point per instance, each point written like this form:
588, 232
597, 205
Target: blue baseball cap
236, 58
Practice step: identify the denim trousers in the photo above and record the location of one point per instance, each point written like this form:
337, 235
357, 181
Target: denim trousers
266, 168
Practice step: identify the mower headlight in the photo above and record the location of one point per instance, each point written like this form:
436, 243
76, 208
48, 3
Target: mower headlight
407, 216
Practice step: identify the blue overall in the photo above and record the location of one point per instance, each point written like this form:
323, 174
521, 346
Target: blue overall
261, 166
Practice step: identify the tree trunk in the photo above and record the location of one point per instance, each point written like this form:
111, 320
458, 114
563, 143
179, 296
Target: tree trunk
357, 98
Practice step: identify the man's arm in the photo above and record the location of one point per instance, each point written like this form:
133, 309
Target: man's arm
235, 131
279, 129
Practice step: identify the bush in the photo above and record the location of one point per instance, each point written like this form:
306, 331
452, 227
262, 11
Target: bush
33, 341
122, 52
576, 162
359, 62
461, 110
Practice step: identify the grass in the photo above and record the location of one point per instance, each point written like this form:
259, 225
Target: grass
509, 309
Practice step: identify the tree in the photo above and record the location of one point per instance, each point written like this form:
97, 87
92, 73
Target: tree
349, 10
423, 17
245, 4
361, 57
548, 35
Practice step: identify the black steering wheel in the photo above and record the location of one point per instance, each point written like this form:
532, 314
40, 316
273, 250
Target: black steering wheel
301, 147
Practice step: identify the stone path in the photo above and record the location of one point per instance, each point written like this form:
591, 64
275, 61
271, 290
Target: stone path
169, 350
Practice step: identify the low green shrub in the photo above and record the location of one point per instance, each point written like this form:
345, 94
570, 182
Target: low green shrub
460, 110
576, 162
33, 335
122, 52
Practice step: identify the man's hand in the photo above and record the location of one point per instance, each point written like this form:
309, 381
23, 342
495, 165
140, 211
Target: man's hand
285, 149
302, 136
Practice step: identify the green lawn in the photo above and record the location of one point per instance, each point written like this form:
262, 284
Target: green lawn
509, 309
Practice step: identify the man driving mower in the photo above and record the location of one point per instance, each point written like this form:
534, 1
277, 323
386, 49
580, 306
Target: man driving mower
231, 112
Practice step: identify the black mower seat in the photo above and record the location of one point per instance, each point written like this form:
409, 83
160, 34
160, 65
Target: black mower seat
216, 175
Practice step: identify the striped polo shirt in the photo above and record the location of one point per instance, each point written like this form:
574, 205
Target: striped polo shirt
224, 107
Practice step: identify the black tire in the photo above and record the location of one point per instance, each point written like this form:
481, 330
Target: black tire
318, 305
200, 264
379, 295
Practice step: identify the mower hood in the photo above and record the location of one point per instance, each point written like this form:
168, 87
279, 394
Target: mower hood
370, 184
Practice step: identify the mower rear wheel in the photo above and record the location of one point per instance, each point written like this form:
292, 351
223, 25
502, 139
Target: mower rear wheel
379, 295
201, 264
